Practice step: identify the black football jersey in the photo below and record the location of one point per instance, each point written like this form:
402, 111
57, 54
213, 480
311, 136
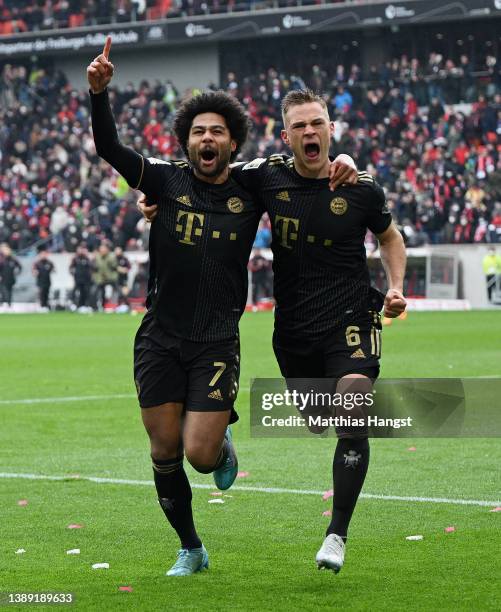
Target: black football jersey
319, 261
199, 248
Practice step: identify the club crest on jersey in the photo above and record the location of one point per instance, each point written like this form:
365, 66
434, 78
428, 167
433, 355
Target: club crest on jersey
339, 206
351, 459
235, 205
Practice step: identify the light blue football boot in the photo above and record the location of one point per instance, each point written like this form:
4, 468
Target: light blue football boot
225, 475
190, 561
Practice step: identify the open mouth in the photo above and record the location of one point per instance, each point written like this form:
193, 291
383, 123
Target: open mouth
312, 150
208, 155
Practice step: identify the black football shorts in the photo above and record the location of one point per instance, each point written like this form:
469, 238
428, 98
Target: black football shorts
354, 348
202, 376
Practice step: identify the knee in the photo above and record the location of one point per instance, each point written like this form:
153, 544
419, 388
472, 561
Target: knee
163, 447
201, 459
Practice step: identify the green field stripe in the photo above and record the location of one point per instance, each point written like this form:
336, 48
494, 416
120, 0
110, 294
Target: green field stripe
279, 490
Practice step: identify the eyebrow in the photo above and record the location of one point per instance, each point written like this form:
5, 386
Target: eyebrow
302, 121
211, 127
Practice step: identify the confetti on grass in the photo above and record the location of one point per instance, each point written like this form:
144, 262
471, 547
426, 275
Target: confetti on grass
73, 551
127, 589
449, 529
75, 526
327, 513
22, 502
101, 566
411, 448
328, 494
242, 474
20, 551
216, 494
496, 509
216, 501
414, 537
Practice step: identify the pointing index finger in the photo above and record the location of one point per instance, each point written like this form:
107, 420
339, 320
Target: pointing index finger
107, 47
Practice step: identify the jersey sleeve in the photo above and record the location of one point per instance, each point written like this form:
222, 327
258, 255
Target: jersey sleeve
148, 175
249, 175
378, 214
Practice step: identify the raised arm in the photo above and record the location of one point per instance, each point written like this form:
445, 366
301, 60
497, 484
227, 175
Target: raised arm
124, 159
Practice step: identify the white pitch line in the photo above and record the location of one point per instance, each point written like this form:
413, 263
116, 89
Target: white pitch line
406, 498
74, 398
71, 398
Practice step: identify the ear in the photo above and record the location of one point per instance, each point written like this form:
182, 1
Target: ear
233, 146
284, 136
332, 128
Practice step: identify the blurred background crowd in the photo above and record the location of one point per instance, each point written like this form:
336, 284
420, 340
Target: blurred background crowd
33, 15
429, 131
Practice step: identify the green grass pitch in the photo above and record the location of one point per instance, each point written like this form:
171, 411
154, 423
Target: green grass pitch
261, 545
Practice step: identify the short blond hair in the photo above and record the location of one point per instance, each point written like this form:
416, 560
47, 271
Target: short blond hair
301, 96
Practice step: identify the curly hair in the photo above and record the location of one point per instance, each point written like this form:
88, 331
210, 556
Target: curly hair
218, 102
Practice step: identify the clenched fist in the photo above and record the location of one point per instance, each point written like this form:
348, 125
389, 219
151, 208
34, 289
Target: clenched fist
394, 304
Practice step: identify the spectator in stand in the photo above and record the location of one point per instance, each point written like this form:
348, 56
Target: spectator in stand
105, 274
123, 268
492, 270
262, 280
263, 234
81, 270
42, 270
10, 268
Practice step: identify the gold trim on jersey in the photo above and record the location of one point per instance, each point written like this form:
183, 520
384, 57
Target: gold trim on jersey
276, 160
142, 172
184, 199
365, 177
284, 196
181, 164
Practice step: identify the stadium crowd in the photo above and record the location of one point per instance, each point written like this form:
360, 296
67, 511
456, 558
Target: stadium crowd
439, 163
35, 15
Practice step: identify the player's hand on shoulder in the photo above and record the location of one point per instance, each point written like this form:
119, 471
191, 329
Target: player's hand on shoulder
148, 211
394, 304
100, 70
342, 170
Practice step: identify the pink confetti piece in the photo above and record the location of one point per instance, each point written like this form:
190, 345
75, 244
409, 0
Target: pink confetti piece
22, 502
412, 448
327, 513
128, 589
216, 494
328, 494
75, 526
242, 474
496, 509
449, 529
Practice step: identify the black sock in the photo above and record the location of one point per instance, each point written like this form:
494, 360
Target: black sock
349, 468
174, 495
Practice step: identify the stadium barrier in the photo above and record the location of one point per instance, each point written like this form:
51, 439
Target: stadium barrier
441, 277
